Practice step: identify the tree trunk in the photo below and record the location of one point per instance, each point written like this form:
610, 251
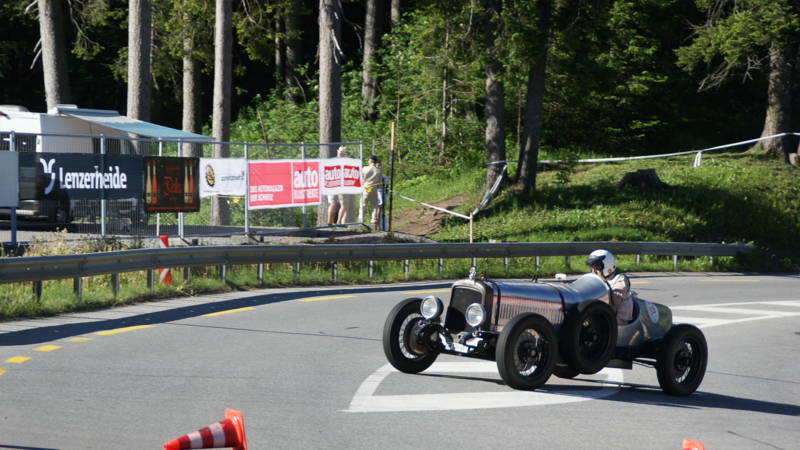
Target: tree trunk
223, 47
294, 55
139, 48
779, 101
372, 39
280, 62
330, 86
395, 13
443, 144
54, 53
532, 123
495, 95
191, 96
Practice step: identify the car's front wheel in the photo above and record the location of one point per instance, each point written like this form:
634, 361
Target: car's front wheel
527, 351
402, 346
682, 360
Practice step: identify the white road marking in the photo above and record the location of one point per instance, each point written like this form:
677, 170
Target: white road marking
753, 312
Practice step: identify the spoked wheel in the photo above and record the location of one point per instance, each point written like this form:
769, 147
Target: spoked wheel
401, 346
682, 360
527, 351
589, 337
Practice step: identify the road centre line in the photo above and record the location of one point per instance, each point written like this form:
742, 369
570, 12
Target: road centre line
79, 339
710, 280
47, 348
18, 359
752, 312
332, 297
2, 371
122, 330
227, 312
640, 282
427, 292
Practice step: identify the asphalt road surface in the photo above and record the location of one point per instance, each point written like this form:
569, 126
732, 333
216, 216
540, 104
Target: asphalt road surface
307, 370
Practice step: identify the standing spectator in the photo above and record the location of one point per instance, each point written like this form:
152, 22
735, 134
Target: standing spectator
338, 200
373, 179
382, 197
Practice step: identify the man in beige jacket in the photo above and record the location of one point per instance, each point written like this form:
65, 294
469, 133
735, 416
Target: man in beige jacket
373, 179
602, 264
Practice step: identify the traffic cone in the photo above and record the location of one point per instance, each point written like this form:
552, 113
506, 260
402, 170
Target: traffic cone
689, 444
228, 432
164, 277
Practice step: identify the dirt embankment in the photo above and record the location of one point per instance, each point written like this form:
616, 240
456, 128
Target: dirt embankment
423, 221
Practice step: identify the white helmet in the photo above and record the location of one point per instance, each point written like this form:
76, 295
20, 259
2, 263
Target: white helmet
603, 261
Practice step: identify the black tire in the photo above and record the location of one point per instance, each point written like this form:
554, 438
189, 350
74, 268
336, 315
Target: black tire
400, 350
589, 337
682, 360
61, 213
565, 372
527, 351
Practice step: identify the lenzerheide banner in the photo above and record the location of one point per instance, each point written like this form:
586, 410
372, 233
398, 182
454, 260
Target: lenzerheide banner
223, 176
59, 176
171, 184
340, 176
283, 183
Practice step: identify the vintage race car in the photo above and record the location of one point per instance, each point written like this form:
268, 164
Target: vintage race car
535, 329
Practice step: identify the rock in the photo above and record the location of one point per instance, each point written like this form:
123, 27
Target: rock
644, 179
794, 159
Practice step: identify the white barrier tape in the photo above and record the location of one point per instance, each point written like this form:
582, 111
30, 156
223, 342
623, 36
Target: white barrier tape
665, 155
491, 192
434, 207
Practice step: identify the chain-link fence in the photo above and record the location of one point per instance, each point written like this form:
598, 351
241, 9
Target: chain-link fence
125, 217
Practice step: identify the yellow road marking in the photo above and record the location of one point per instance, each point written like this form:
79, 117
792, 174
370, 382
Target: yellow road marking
315, 299
227, 312
18, 359
2, 371
640, 282
426, 292
122, 330
730, 281
47, 348
79, 339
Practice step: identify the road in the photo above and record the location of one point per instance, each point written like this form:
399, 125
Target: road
306, 368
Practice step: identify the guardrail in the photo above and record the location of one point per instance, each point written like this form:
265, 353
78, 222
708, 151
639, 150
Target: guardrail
39, 268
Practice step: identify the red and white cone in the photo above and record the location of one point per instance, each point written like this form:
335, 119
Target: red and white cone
689, 444
164, 277
225, 433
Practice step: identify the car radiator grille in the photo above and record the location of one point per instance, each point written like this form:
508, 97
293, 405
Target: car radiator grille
455, 321
513, 306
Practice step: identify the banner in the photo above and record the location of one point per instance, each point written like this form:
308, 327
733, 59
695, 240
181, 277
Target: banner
171, 184
58, 176
223, 176
9, 173
283, 183
340, 176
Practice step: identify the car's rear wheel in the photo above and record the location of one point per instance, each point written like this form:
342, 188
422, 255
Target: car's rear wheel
527, 351
682, 360
589, 337
402, 347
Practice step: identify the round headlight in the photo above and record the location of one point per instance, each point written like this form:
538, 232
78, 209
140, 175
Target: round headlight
431, 307
476, 315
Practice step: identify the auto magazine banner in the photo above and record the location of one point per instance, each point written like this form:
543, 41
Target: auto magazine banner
171, 184
283, 183
9, 173
223, 176
58, 176
340, 176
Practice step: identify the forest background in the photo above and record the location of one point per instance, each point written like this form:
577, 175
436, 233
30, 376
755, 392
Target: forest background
467, 81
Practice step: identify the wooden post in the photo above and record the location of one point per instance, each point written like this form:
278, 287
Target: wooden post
391, 179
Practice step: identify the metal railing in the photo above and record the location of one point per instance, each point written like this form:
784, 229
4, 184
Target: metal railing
39, 268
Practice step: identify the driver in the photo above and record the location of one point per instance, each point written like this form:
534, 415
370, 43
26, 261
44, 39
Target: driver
603, 265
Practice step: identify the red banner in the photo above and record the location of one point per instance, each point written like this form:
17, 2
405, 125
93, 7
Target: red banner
341, 176
283, 183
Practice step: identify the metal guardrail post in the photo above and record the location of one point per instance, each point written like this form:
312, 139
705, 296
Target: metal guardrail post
441, 266
537, 264
260, 273
297, 269
77, 287
187, 274
370, 269
115, 284
638, 260
37, 290
223, 273
151, 280
103, 201
405, 267
674, 262
474, 263
505, 265
711, 260
334, 271
567, 261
